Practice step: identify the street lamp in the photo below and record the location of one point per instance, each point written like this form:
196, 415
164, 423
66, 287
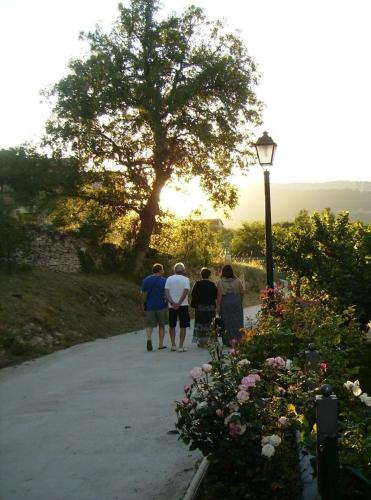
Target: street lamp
265, 148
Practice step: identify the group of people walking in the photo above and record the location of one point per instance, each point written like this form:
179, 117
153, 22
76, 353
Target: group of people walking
165, 301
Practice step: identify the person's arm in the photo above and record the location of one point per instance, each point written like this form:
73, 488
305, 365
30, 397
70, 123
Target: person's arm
143, 294
194, 298
143, 298
168, 298
182, 297
215, 293
185, 292
218, 297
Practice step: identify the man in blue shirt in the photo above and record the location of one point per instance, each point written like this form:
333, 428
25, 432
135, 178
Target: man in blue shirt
154, 304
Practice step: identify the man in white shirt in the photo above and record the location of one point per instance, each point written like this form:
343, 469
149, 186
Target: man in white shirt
177, 288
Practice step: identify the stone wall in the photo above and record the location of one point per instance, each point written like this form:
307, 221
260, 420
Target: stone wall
51, 250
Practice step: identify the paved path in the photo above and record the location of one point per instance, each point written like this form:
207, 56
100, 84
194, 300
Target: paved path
92, 422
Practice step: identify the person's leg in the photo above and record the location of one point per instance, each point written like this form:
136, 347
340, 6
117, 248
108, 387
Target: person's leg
184, 322
161, 335
149, 338
172, 336
162, 321
172, 324
182, 336
149, 328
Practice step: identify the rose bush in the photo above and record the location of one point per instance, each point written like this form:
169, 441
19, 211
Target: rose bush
239, 414
242, 407
287, 330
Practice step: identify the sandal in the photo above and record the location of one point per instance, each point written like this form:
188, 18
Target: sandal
163, 347
182, 349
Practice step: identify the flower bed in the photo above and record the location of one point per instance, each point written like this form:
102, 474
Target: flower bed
243, 407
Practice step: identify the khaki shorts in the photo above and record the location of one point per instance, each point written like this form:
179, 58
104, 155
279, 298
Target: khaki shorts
154, 318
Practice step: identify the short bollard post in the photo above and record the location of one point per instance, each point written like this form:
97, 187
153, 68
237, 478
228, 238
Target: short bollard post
312, 358
327, 453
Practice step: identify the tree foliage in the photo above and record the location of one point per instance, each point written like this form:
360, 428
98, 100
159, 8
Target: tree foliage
191, 241
333, 254
58, 191
34, 180
13, 234
157, 99
249, 240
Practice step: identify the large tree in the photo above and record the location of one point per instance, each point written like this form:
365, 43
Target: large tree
158, 99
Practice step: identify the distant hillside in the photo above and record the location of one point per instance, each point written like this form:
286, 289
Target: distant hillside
288, 199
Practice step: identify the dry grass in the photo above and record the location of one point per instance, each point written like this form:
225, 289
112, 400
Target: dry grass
64, 308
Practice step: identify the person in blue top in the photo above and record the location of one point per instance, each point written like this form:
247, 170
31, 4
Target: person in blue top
154, 305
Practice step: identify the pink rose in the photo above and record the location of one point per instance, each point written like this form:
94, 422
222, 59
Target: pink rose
233, 352
270, 361
236, 429
277, 362
187, 388
242, 396
323, 367
186, 401
250, 380
234, 342
280, 362
196, 373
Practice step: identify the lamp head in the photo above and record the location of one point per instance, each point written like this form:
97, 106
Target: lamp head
265, 148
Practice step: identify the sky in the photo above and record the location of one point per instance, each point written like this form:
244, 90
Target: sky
313, 56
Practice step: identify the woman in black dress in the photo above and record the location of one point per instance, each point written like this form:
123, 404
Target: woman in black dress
204, 302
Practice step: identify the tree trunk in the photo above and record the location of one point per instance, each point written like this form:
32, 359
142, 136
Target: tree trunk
147, 222
298, 287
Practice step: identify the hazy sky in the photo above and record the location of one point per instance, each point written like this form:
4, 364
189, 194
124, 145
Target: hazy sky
314, 57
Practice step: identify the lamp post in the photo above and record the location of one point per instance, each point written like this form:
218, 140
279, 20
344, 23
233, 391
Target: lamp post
265, 148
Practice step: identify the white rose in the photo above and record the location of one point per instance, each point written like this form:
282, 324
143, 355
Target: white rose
288, 364
265, 440
365, 399
348, 385
268, 450
357, 391
275, 440
207, 368
243, 362
283, 421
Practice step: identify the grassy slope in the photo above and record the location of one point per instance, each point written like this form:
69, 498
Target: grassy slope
42, 311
